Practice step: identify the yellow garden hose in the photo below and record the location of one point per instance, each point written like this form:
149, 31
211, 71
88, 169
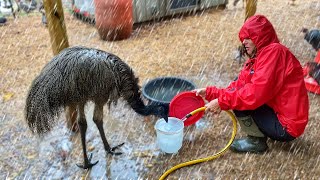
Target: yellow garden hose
222, 151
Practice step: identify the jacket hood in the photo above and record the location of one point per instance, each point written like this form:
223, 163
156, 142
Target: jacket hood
259, 29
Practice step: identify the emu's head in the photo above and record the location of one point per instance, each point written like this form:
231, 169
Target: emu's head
161, 110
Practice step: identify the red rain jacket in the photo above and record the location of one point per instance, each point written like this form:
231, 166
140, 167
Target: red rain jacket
274, 77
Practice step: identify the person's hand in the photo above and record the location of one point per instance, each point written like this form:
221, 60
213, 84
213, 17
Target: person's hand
213, 106
200, 92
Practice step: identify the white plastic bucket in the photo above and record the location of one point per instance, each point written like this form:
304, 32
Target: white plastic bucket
169, 135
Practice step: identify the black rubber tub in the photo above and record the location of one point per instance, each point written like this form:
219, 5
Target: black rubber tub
163, 89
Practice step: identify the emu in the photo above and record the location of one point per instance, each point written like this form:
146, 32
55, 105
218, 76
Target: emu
78, 75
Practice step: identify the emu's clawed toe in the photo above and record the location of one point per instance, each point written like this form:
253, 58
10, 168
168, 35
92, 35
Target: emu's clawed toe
111, 150
87, 164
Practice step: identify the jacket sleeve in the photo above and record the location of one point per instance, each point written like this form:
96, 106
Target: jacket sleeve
269, 71
212, 92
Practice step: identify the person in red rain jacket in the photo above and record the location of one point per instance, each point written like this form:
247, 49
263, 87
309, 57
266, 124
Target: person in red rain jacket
269, 97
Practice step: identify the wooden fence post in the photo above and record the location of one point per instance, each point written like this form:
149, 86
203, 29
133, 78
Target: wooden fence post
59, 41
56, 25
251, 8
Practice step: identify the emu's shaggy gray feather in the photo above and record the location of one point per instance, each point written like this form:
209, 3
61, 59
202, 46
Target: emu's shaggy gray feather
78, 75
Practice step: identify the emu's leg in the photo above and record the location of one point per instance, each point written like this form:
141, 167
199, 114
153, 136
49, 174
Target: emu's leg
83, 128
71, 115
98, 119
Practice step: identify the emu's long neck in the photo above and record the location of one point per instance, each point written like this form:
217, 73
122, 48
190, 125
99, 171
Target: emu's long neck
139, 107
129, 89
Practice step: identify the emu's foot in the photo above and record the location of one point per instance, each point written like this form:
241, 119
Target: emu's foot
111, 150
87, 164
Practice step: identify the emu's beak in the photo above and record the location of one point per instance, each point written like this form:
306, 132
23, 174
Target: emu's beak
166, 112
166, 118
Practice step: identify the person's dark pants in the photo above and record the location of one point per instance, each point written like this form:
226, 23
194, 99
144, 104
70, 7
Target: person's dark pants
267, 122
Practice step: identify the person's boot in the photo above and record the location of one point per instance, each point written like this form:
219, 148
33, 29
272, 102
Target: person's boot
250, 144
255, 142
